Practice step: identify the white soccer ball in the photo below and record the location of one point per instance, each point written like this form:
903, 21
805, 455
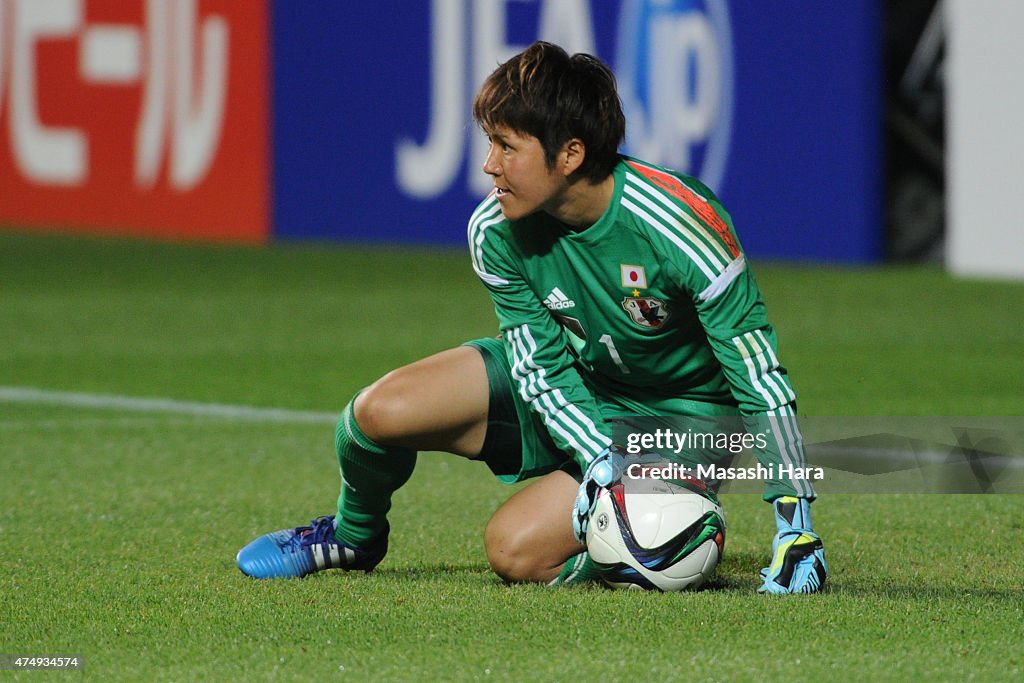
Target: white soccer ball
665, 536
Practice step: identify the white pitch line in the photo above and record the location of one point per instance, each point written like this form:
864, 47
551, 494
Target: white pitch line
160, 405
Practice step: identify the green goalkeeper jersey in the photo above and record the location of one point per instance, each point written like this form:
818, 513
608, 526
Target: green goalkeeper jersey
654, 303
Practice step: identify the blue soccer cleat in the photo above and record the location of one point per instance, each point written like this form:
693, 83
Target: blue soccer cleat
294, 553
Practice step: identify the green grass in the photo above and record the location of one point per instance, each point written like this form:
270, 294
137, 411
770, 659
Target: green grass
119, 529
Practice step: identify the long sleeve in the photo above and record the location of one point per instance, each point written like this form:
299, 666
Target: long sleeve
543, 367
746, 347
711, 269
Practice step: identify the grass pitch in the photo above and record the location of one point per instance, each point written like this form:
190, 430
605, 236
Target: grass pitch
120, 526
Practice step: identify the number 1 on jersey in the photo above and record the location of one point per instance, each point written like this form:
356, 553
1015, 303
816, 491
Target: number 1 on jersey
607, 340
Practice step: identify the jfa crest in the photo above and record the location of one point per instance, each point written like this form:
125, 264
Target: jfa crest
646, 311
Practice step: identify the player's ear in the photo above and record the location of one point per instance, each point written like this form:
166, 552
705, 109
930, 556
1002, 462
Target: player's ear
571, 157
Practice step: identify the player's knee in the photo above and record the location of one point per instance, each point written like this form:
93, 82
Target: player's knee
382, 409
512, 553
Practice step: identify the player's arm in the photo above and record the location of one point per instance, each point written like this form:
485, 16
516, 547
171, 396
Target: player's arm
731, 310
704, 258
745, 346
542, 366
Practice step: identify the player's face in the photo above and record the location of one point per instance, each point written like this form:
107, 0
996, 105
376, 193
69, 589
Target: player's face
523, 182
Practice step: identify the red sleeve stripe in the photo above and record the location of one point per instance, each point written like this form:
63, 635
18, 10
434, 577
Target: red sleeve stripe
674, 221
697, 204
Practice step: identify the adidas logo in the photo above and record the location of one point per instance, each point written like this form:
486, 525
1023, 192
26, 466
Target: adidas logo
557, 301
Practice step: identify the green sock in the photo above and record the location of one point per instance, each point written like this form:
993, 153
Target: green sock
577, 569
370, 473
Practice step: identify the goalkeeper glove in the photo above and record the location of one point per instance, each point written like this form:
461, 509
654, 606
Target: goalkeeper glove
798, 556
603, 471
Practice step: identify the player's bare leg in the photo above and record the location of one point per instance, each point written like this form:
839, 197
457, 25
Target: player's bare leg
530, 538
438, 403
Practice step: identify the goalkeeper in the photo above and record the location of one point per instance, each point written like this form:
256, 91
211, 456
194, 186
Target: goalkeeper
620, 289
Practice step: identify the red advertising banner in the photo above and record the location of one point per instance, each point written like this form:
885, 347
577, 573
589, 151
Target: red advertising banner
140, 117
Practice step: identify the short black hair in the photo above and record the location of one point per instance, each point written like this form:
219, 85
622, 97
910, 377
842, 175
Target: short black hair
544, 92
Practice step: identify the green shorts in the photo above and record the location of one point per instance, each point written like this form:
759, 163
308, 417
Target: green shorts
517, 445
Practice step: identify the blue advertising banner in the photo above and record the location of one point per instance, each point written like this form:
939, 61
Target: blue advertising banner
775, 105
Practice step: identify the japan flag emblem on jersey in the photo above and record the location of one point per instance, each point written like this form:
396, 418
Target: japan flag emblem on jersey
633, 277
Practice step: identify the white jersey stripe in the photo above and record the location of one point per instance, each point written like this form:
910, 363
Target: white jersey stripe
790, 442
487, 210
672, 237
765, 372
699, 232
482, 208
770, 367
524, 378
541, 401
785, 434
660, 219
787, 389
485, 216
526, 368
558, 413
753, 371
562, 408
591, 432
722, 282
